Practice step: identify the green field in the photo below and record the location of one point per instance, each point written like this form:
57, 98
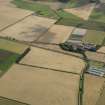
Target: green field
95, 37
12, 46
63, 17
96, 64
76, 3
40, 9
7, 60
9, 53
5, 101
98, 14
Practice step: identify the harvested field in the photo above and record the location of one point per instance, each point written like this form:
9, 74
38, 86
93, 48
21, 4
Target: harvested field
29, 29
56, 48
12, 46
40, 86
101, 100
56, 34
82, 12
101, 50
13, 14
95, 56
53, 60
93, 86
5, 101
95, 37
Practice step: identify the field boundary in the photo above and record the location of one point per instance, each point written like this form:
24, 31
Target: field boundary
14, 100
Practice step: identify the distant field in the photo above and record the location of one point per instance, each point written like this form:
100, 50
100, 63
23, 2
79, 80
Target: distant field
98, 13
95, 37
36, 7
63, 17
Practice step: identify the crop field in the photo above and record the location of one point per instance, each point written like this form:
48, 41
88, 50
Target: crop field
82, 12
5, 101
9, 53
40, 9
56, 34
45, 58
57, 48
7, 59
33, 86
63, 17
98, 13
94, 37
101, 100
101, 50
96, 64
93, 86
12, 46
95, 56
29, 29
13, 14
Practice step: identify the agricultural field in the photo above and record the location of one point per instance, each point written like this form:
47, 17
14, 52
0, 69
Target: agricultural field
14, 15
6, 101
93, 86
96, 64
95, 56
40, 86
101, 100
64, 18
40, 9
28, 29
57, 48
46, 59
98, 14
101, 50
9, 53
94, 37
37, 71
82, 12
56, 34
